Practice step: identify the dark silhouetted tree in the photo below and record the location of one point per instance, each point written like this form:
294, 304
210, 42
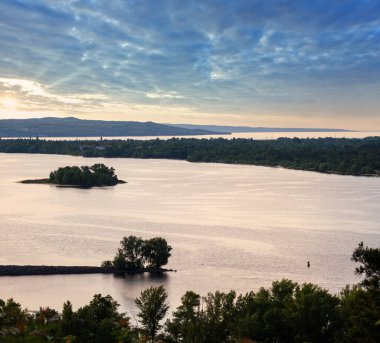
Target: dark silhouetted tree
153, 307
186, 323
132, 247
369, 260
156, 252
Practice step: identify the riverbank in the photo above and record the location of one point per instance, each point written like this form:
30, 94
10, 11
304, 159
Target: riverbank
25, 270
343, 156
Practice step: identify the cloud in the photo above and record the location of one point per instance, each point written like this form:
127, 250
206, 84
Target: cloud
34, 89
229, 57
164, 95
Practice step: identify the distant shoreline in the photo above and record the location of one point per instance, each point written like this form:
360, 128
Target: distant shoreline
342, 156
74, 127
29, 270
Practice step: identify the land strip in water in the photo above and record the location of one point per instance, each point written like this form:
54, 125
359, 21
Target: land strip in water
24, 270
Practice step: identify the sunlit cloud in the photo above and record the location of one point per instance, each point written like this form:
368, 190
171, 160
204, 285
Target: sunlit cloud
164, 95
35, 89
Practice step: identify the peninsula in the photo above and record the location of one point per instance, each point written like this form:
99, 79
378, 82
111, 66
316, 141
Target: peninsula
28, 270
135, 256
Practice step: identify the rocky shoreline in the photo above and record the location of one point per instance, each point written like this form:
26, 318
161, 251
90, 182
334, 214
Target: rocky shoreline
16, 270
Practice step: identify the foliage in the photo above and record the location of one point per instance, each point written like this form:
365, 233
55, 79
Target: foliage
315, 315
342, 155
369, 259
359, 312
185, 325
13, 319
153, 308
156, 252
96, 175
107, 264
119, 261
219, 315
97, 322
287, 312
132, 248
136, 253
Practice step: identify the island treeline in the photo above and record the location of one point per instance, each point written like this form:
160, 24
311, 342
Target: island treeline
98, 175
329, 155
85, 176
136, 253
287, 312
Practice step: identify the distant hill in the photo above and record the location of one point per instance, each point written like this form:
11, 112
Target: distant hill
73, 127
221, 129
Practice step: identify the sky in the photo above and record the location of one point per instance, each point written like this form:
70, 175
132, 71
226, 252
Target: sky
280, 63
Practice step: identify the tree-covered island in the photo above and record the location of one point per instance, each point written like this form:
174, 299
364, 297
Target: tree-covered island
97, 175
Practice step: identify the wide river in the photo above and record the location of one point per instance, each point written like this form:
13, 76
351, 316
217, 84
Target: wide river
230, 226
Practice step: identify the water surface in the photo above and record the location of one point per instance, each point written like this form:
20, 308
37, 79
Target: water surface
231, 226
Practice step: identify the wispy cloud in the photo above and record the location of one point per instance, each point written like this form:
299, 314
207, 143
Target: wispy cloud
316, 60
164, 95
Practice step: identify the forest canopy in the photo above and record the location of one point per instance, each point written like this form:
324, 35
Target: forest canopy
328, 155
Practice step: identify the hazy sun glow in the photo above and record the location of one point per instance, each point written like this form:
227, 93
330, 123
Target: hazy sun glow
9, 102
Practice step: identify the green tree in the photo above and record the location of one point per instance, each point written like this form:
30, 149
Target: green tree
278, 319
253, 310
132, 247
67, 319
359, 312
107, 264
97, 322
136, 252
11, 314
219, 316
156, 252
153, 307
369, 259
315, 314
119, 261
185, 325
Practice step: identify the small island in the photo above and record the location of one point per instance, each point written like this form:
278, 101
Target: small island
98, 175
